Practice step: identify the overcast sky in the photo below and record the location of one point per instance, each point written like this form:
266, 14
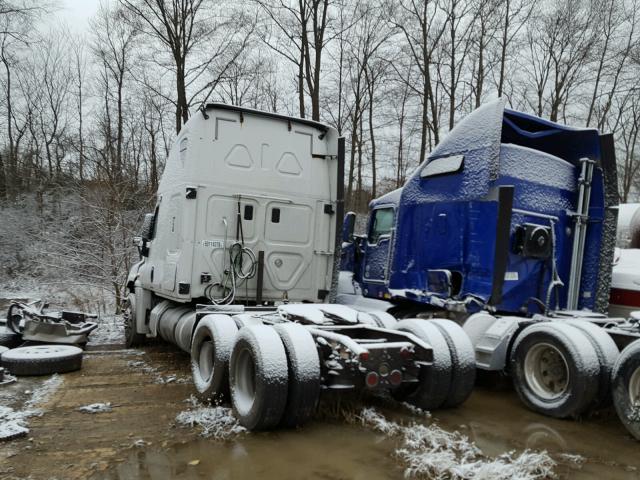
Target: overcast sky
78, 12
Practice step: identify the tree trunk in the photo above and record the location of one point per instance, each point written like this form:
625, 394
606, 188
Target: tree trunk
503, 47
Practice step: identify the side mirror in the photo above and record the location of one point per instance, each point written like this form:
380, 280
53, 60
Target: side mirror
439, 282
147, 226
348, 226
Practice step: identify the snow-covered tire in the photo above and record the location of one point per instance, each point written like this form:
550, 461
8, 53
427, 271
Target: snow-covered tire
304, 374
9, 339
184, 331
42, 360
434, 381
555, 369
258, 374
608, 353
463, 362
211, 348
131, 337
244, 320
626, 388
383, 319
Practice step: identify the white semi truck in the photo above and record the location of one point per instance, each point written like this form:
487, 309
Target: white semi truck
241, 246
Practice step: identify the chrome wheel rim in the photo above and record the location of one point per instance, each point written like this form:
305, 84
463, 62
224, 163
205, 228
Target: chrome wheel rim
205, 360
245, 381
546, 371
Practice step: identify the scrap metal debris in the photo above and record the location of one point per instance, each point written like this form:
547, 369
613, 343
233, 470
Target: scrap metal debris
31, 322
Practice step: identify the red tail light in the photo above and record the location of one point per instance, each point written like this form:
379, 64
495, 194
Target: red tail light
364, 356
395, 378
372, 379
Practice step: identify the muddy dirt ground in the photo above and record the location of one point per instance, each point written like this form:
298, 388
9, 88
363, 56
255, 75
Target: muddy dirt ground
147, 388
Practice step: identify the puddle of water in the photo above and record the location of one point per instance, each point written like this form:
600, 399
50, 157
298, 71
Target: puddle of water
498, 423
318, 451
595, 448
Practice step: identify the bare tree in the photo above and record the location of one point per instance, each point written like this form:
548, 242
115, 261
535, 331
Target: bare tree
303, 25
423, 28
187, 28
616, 39
559, 42
80, 64
16, 21
112, 47
514, 16
456, 49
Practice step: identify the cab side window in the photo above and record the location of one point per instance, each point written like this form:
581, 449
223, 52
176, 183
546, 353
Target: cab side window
381, 225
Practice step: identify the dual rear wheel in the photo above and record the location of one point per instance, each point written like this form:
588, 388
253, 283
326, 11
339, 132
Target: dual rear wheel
449, 381
626, 388
563, 369
271, 375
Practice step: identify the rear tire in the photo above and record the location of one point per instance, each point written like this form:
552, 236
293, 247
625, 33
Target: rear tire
608, 354
304, 374
42, 360
131, 337
383, 319
211, 348
555, 369
626, 388
463, 360
244, 320
258, 375
434, 381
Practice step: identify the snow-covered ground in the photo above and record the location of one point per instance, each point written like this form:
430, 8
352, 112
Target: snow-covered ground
428, 451
110, 331
213, 421
14, 421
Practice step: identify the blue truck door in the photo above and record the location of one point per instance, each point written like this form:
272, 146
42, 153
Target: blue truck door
378, 244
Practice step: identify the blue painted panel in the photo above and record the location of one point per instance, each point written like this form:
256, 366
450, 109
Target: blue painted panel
449, 221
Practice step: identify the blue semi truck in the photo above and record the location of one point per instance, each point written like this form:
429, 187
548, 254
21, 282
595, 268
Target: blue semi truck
508, 228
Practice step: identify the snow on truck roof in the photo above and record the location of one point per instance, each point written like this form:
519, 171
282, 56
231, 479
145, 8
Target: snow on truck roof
278, 116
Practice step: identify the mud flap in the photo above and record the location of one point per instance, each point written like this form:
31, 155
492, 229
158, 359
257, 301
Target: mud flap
492, 347
143, 305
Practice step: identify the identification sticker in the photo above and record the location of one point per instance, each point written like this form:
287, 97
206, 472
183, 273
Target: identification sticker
213, 243
511, 276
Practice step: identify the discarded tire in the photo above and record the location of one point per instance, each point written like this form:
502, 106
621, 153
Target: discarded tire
258, 378
131, 337
607, 352
463, 362
9, 339
42, 360
555, 369
434, 381
211, 347
304, 374
626, 388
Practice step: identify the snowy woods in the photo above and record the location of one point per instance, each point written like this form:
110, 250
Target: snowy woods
88, 112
